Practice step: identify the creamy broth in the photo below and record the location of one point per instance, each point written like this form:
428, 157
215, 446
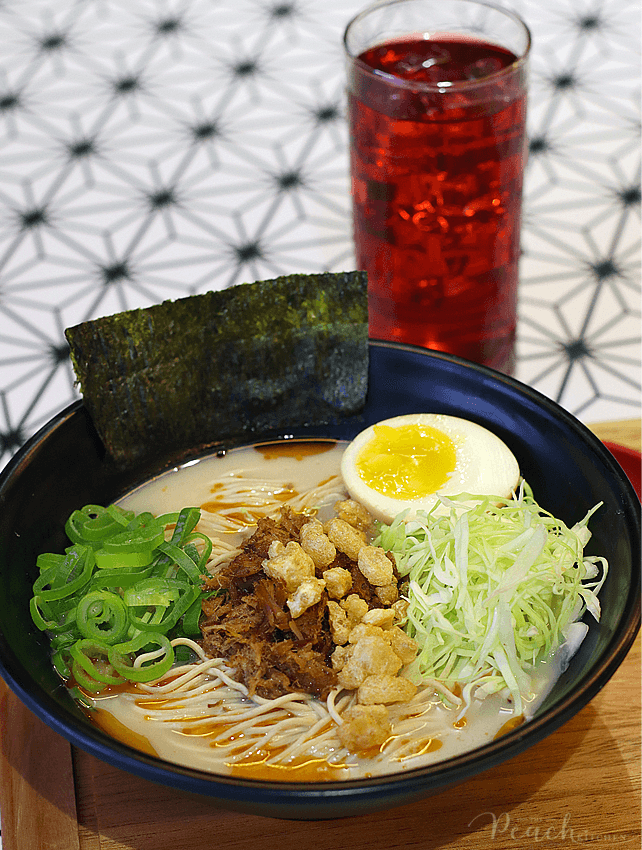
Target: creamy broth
288, 467
189, 731
442, 737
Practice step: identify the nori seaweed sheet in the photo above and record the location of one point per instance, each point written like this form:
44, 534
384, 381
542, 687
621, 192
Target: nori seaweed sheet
226, 365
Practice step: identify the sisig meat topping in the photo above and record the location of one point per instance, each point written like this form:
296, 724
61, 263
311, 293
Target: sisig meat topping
314, 607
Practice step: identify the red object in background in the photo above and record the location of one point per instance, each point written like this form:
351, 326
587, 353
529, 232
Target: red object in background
436, 186
631, 463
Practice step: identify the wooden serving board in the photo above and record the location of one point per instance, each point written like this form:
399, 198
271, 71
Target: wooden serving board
580, 786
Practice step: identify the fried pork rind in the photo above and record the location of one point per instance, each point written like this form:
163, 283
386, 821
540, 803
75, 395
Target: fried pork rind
382, 617
346, 538
400, 608
316, 543
370, 654
307, 594
388, 594
363, 727
337, 581
354, 514
403, 645
355, 607
340, 627
288, 563
365, 630
331, 575
385, 689
375, 565
339, 657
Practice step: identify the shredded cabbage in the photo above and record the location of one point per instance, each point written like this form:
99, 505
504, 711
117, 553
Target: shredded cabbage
493, 587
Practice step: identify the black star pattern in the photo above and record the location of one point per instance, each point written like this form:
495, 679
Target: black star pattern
127, 84
81, 148
167, 26
53, 41
579, 332
11, 440
33, 218
9, 101
153, 150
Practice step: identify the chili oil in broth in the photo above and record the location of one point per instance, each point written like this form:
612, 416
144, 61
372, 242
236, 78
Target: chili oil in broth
278, 472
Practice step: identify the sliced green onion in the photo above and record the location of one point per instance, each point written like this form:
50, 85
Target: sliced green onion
51, 618
169, 519
204, 556
102, 615
186, 522
110, 560
118, 577
143, 533
111, 600
67, 577
192, 618
49, 559
120, 515
65, 639
182, 560
60, 661
169, 598
93, 524
81, 698
143, 669
93, 657
86, 682
154, 591
182, 654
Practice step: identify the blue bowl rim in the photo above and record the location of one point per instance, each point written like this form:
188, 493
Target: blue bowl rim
347, 797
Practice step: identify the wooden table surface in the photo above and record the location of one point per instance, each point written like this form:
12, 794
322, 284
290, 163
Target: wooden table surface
580, 786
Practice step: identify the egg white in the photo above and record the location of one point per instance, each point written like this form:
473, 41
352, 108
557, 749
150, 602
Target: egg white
484, 466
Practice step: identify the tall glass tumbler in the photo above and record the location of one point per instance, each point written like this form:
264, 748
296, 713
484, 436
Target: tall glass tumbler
437, 108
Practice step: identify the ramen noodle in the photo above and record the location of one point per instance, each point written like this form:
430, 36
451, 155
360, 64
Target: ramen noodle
200, 714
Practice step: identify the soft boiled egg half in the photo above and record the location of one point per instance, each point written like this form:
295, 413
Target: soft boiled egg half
406, 462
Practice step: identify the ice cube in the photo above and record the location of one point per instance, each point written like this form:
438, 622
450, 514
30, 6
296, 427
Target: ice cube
482, 68
410, 64
415, 65
439, 57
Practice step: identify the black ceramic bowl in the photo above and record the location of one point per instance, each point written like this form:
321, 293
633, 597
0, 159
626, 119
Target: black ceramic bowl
63, 467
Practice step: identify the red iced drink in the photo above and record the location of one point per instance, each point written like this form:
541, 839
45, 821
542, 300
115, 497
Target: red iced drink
437, 157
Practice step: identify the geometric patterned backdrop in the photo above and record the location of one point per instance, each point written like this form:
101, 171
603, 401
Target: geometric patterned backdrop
158, 148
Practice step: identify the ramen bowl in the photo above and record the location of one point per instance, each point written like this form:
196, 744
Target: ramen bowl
64, 467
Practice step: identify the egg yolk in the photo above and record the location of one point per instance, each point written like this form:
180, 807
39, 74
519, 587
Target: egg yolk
406, 462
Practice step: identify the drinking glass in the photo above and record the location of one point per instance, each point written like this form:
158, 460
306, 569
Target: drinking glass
437, 108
